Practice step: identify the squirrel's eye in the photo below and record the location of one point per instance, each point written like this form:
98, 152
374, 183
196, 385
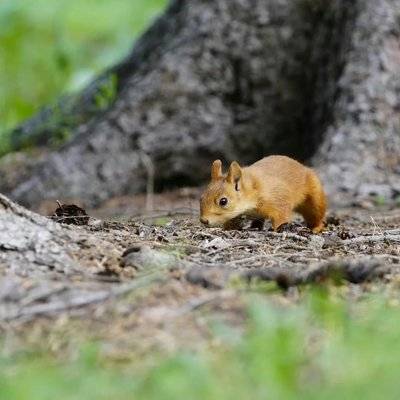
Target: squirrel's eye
223, 202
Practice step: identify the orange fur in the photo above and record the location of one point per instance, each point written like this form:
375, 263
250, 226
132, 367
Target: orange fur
271, 188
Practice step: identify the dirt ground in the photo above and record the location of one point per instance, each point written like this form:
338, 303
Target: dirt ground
159, 281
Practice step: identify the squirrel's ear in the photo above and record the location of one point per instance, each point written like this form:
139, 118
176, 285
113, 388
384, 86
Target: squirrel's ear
216, 169
234, 174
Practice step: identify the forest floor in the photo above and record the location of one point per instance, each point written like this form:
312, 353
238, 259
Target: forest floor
160, 307
156, 280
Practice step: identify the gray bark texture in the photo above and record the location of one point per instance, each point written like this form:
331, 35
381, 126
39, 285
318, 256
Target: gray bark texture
241, 79
32, 244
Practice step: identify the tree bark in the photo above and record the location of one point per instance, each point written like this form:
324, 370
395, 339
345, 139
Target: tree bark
35, 246
240, 79
360, 151
32, 244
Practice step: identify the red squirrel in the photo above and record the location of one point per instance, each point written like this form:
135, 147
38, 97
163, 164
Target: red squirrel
271, 188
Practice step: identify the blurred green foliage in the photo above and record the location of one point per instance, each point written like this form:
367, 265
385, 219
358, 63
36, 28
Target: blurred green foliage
50, 47
323, 348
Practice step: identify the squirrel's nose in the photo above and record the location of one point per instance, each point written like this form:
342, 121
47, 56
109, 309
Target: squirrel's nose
204, 221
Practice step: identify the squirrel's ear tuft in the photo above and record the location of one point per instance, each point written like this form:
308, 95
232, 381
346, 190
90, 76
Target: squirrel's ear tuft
216, 169
234, 173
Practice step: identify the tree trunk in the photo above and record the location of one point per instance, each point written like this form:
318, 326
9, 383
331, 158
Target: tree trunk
360, 151
240, 79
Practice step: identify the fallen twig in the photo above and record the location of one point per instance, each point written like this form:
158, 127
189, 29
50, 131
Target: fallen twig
373, 238
42, 294
354, 271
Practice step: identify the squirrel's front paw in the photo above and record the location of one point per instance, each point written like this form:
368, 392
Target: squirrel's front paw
285, 227
293, 228
257, 224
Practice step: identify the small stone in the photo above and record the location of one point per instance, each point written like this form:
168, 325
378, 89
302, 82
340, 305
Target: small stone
317, 242
217, 243
345, 234
142, 257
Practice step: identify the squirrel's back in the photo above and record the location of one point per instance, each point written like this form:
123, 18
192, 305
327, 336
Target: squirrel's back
280, 167
281, 175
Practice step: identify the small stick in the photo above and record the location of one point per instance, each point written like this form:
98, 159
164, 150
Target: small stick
372, 239
42, 294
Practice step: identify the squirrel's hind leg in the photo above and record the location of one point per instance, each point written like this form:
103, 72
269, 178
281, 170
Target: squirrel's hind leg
314, 206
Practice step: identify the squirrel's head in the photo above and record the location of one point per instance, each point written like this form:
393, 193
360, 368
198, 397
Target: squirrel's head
224, 197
